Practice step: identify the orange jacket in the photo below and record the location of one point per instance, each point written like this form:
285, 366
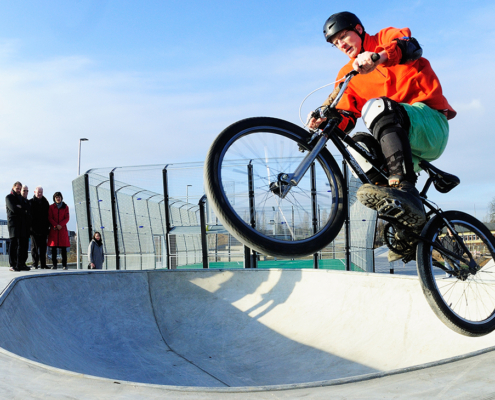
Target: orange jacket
405, 83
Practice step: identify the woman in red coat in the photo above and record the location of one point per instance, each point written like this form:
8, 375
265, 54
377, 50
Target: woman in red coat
58, 216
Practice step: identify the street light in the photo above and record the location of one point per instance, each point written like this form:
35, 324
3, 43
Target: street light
78, 263
79, 156
187, 193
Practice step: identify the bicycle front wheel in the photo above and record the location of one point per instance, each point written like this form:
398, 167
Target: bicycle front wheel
241, 167
460, 292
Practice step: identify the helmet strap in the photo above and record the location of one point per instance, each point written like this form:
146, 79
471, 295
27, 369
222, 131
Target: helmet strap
361, 35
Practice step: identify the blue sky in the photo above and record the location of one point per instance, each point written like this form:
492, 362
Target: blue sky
154, 82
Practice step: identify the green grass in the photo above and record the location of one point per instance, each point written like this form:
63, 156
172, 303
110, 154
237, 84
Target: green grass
333, 264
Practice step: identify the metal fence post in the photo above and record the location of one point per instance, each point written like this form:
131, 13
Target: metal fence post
114, 219
253, 260
314, 209
151, 228
166, 205
88, 207
138, 235
247, 257
202, 221
347, 220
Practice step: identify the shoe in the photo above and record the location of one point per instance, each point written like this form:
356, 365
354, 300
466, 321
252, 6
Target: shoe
393, 256
25, 268
401, 202
54, 267
14, 269
64, 268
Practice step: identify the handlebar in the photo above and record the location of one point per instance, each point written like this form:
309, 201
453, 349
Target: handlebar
374, 57
324, 112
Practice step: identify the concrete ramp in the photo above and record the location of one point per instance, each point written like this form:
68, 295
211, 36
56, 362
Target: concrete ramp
230, 328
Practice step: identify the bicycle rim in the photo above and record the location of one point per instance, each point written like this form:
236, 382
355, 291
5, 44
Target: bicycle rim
465, 297
268, 152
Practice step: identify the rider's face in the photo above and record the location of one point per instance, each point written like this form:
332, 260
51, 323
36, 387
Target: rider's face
348, 42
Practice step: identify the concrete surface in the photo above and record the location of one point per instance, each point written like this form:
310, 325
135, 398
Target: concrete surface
231, 334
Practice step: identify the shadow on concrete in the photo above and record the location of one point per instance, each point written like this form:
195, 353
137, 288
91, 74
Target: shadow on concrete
184, 328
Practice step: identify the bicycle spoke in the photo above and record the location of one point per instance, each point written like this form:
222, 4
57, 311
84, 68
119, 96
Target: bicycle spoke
270, 156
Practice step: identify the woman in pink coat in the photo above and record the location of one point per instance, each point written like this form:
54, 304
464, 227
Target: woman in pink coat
58, 238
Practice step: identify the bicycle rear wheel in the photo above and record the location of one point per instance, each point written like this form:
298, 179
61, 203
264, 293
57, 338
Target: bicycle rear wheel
256, 152
461, 293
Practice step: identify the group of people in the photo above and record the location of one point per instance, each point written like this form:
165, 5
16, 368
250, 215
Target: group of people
35, 218
46, 225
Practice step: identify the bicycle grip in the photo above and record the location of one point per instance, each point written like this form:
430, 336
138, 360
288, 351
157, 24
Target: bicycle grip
374, 57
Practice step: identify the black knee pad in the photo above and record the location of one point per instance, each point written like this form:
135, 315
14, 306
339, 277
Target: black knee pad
389, 123
373, 147
396, 148
381, 113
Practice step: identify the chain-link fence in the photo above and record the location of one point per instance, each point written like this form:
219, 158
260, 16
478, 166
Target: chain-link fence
149, 217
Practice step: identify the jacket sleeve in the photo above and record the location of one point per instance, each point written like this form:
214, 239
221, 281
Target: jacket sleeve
51, 220
90, 252
348, 117
10, 206
387, 42
66, 217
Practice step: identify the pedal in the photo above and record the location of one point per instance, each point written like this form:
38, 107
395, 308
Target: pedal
390, 208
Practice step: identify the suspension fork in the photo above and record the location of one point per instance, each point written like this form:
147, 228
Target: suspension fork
287, 180
331, 132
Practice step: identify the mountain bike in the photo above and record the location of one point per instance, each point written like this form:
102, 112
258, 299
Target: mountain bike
276, 188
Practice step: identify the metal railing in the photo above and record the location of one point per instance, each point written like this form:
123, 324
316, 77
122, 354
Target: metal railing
170, 224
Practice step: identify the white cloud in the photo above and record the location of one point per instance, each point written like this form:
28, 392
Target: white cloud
173, 116
474, 105
131, 119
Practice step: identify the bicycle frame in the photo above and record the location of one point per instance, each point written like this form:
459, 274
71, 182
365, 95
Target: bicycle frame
339, 138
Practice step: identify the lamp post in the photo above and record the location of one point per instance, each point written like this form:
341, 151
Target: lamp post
187, 193
78, 262
79, 156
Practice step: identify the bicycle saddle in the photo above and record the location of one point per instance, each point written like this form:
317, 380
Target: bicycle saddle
443, 181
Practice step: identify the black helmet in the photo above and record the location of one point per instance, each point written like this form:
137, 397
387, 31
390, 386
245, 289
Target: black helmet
338, 22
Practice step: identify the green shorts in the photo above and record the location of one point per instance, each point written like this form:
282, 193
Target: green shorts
428, 134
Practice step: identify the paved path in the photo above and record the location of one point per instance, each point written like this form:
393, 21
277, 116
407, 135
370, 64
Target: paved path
230, 334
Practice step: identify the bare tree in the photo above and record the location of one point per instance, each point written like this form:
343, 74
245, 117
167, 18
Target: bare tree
380, 230
491, 211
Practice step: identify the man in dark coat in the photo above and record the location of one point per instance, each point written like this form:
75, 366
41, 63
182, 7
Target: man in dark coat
39, 228
25, 239
17, 225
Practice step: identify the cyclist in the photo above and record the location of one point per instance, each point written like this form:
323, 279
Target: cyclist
401, 101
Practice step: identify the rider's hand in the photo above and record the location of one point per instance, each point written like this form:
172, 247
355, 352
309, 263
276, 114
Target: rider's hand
314, 123
364, 64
